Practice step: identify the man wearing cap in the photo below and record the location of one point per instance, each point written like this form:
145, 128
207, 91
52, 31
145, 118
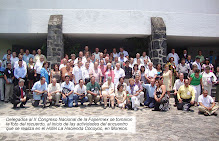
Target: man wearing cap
20, 95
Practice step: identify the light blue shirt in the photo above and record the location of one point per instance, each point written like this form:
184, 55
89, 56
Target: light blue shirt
20, 72
150, 89
44, 72
70, 86
5, 57
27, 57
39, 87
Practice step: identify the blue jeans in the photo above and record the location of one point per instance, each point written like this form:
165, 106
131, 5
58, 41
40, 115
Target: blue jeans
149, 102
68, 102
76, 98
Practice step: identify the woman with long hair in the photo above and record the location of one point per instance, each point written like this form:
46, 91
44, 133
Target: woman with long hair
55, 73
207, 63
160, 96
45, 71
136, 71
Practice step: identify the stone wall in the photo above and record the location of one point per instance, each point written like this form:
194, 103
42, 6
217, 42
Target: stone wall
55, 44
158, 41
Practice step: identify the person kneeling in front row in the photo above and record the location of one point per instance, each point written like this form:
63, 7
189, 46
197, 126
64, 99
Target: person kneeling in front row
40, 92
93, 90
80, 93
54, 93
20, 95
207, 105
186, 96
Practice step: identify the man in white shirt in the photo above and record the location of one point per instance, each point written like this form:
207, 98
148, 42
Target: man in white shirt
137, 57
174, 55
144, 57
151, 72
67, 91
179, 82
123, 51
64, 63
197, 63
24, 64
133, 93
86, 73
97, 54
207, 104
118, 72
83, 58
54, 92
108, 92
115, 54
14, 58
77, 72
122, 58
80, 93
37, 68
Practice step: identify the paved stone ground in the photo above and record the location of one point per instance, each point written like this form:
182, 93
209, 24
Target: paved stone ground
172, 125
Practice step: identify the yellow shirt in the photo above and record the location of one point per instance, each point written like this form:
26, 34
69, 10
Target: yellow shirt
186, 92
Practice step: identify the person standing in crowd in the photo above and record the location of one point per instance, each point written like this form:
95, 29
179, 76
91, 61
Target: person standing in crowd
54, 92
167, 79
137, 56
194, 67
151, 72
131, 63
24, 64
30, 73
184, 55
142, 70
207, 105
202, 58
159, 71
207, 63
27, 56
65, 58
140, 89
20, 72
109, 72
178, 83
5, 56
55, 73
145, 57
186, 96
93, 90
120, 96
96, 72
121, 49
197, 63
14, 58
189, 61
172, 67
37, 68
97, 54
34, 53
208, 79
22, 51
67, 71
2, 70
160, 96
174, 55
73, 58
5, 62
77, 72
9, 85
67, 91
20, 95
196, 82
102, 67
80, 92
150, 101
63, 64
133, 94
40, 91
182, 68
86, 73
136, 71
45, 72
119, 72
38, 56
122, 59
115, 54
108, 92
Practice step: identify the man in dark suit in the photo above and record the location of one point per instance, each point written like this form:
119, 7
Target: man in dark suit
20, 94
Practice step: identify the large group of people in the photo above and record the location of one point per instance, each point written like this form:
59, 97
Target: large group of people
114, 78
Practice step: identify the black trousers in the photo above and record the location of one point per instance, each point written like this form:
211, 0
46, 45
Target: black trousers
180, 106
176, 99
17, 101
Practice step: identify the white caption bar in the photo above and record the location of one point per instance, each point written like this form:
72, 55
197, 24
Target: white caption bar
33, 124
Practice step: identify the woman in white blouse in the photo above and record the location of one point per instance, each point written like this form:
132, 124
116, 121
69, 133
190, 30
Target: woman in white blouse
208, 78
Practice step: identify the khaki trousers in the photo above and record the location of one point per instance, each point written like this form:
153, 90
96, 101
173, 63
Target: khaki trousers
202, 109
8, 91
92, 98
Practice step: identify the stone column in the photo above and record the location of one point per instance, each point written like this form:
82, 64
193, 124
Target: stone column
158, 41
55, 44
